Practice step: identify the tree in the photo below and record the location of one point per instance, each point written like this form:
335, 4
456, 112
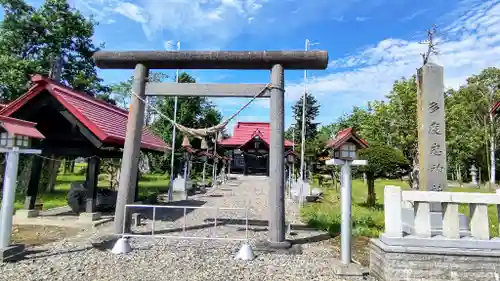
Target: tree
487, 86
31, 39
392, 122
465, 130
383, 161
402, 111
122, 91
106, 97
312, 111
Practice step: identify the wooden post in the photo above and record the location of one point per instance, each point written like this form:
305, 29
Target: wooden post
36, 171
92, 181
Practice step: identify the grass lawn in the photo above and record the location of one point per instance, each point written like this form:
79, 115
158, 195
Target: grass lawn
149, 184
369, 221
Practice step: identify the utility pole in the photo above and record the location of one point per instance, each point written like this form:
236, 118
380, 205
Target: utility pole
173, 136
293, 140
303, 141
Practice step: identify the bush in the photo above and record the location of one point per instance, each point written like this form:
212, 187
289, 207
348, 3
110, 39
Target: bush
382, 161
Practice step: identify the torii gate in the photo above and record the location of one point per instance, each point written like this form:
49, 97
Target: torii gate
276, 61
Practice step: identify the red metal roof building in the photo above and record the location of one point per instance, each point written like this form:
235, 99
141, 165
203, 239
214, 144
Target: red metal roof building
74, 125
106, 122
249, 147
246, 131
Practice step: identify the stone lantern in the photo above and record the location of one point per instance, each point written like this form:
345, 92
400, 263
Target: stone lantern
345, 146
15, 138
473, 173
346, 151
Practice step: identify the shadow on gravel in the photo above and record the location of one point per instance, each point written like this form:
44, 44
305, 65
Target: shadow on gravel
35, 254
179, 229
168, 214
256, 223
312, 239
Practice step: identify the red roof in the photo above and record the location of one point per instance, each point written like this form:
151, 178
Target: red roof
495, 107
245, 131
344, 136
20, 127
107, 122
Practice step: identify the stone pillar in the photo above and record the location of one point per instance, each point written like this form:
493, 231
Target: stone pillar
276, 161
431, 129
130, 159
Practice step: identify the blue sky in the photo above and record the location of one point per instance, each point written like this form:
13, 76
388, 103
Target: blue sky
371, 43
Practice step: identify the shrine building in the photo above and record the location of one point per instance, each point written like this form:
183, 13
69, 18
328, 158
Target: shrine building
248, 148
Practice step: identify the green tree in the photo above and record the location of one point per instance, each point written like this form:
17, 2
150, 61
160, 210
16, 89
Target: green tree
392, 122
31, 39
383, 161
487, 88
312, 111
106, 97
121, 92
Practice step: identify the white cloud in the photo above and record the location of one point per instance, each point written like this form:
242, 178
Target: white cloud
362, 18
339, 18
466, 46
132, 12
414, 15
211, 23
171, 45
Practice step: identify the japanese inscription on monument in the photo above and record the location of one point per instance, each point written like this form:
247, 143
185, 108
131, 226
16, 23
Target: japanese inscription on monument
431, 128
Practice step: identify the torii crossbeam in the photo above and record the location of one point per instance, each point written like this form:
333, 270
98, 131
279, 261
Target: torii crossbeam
276, 61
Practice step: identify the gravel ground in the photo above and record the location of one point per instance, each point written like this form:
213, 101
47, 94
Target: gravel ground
87, 256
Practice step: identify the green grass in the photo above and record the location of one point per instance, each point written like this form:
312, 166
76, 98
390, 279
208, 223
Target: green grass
369, 221
148, 185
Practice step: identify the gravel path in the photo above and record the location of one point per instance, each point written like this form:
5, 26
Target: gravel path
87, 256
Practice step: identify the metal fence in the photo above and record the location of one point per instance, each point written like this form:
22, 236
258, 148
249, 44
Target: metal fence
184, 223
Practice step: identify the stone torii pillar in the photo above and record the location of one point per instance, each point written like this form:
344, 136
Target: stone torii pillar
276, 61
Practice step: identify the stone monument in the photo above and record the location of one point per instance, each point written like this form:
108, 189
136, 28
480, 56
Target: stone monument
418, 247
431, 128
431, 143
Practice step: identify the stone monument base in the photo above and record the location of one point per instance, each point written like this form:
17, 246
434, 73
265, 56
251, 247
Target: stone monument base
398, 263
